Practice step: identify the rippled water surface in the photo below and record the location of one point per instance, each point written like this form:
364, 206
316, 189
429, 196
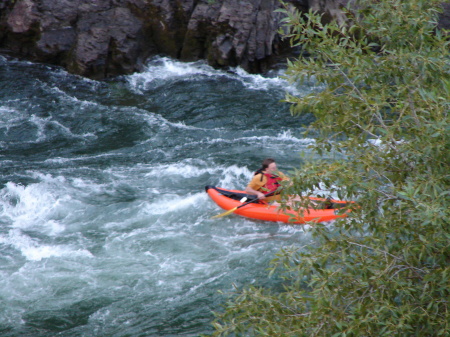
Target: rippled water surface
105, 228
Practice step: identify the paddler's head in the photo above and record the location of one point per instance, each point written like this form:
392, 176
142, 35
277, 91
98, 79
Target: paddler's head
269, 165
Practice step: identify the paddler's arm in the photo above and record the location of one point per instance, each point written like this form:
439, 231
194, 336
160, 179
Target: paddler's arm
251, 191
254, 185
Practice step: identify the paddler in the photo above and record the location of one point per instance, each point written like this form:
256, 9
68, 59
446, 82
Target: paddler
266, 180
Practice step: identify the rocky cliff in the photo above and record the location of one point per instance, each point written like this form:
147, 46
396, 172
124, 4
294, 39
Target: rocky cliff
108, 37
105, 38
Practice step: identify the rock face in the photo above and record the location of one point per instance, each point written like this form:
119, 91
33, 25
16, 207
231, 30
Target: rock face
105, 38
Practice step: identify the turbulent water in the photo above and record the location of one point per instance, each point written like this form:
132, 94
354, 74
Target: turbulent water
105, 228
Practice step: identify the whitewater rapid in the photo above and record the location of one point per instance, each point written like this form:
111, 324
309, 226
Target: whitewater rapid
105, 228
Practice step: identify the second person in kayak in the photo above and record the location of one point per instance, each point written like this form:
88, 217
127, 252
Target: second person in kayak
266, 180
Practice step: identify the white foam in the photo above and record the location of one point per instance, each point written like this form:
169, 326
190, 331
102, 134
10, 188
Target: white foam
10, 117
62, 94
33, 207
235, 177
231, 176
153, 119
6, 112
189, 170
161, 69
259, 82
63, 160
377, 142
285, 137
32, 250
158, 70
171, 203
43, 123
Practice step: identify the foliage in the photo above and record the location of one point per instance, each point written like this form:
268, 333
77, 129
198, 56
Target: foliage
384, 271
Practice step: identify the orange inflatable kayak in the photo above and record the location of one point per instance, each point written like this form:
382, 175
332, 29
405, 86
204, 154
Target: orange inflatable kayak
327, 209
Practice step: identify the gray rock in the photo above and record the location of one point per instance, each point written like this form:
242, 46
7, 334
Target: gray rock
105, 38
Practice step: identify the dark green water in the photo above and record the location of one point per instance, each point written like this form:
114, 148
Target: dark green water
105, 229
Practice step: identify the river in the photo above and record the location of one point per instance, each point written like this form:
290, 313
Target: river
105, 228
